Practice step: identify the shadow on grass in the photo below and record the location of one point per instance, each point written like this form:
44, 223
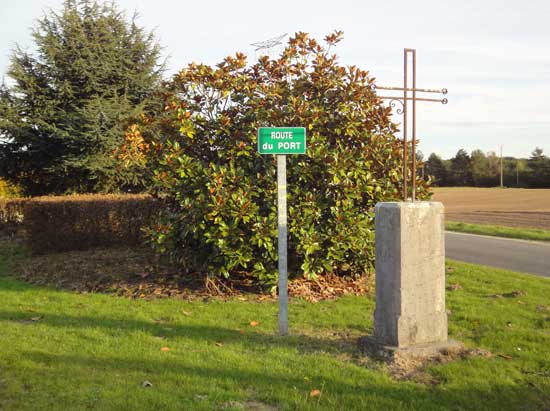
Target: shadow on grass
464, 395
385, 394
198, 332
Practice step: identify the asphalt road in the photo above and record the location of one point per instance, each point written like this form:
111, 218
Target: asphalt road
531, 257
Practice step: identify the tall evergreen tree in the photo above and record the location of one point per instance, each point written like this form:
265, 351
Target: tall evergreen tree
435, 168
539, 164
461, 169
63, 113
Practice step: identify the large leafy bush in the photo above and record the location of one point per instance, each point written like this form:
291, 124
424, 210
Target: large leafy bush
219, 194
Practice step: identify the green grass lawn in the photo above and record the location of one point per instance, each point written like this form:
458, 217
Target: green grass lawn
499, 231
67, 351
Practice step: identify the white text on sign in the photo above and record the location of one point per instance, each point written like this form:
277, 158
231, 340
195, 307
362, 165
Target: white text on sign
279, 135
284, 145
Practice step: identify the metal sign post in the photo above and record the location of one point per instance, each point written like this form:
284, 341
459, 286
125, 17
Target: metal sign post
282, 141
282, 244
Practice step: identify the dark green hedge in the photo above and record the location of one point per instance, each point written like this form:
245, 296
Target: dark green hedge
84, 221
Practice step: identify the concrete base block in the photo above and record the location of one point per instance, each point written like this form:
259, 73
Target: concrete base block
372, 347
410, 274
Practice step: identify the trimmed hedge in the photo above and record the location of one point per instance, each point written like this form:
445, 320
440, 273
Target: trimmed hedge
83, 221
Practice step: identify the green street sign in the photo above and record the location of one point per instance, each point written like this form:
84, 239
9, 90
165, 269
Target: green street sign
282, 140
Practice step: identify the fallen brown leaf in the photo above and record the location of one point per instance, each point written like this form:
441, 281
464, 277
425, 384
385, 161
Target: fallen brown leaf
254, 323
454, 287
515, 293
314, 393
165, 349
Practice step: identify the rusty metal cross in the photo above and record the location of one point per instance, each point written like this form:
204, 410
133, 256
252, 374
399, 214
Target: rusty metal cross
403, 100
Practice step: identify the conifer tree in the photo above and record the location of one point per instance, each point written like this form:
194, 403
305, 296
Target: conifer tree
66, 107
539, 165
461, 169
436, 168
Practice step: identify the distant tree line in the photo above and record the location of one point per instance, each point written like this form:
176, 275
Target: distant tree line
484, 170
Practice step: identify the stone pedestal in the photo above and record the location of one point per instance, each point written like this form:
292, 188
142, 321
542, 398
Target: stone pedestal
410, 277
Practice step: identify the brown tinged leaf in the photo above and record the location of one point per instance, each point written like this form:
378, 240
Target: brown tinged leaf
454, 287
315, 393
514, 294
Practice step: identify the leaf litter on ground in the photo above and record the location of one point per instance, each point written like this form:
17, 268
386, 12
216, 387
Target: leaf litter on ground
137, 273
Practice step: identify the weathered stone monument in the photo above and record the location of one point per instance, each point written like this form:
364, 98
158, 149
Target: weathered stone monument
410, 315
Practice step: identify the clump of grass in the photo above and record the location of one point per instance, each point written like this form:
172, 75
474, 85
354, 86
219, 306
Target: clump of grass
499, 231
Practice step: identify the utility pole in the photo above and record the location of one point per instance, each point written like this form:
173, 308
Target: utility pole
501, 169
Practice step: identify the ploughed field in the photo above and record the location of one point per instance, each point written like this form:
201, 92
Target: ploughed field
512, 207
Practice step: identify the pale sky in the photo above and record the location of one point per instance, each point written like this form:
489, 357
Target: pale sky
492, 55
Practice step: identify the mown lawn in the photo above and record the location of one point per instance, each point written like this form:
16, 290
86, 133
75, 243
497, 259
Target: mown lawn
499, 231
66, 351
